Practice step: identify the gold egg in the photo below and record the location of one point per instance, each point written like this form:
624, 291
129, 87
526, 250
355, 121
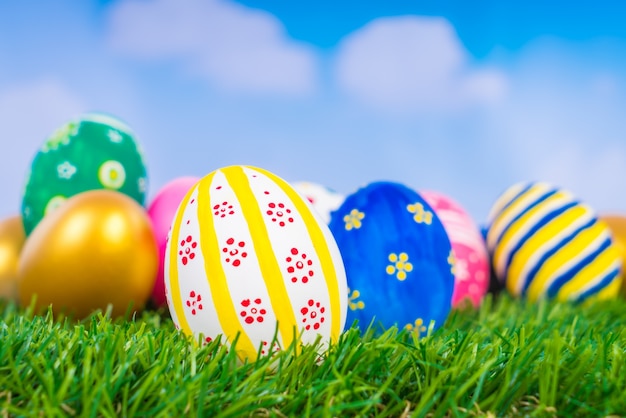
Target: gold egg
617, 225
12, 239
95, 250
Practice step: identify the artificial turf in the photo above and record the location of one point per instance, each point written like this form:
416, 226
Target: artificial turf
509, 358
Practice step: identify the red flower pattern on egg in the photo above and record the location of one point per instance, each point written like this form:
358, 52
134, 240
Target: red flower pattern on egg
300, 267
234, 251
252, 311
187, 249
279, 213
223, 209
194, 302
265, 345
313, 315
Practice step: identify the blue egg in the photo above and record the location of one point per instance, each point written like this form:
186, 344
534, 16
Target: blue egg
397, 256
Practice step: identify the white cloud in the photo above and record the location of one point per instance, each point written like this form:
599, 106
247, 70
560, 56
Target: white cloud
413, 63
28, 115
233, 46
562, 122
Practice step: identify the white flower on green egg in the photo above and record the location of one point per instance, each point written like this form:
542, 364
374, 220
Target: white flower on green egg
141, 184
112, 174
66, 170
60, 137
114, 136
140, 152
53, 204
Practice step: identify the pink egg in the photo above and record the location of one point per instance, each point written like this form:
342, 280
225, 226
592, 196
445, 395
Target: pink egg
472, 260
161, 212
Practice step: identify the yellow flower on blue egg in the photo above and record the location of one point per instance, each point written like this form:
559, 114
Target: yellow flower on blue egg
400, 266
418, 326
353, 301
452, 262
353, 219
421, 215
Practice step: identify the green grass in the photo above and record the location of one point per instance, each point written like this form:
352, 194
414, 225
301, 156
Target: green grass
507, 359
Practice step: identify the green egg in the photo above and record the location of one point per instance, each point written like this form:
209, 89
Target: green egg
96, 151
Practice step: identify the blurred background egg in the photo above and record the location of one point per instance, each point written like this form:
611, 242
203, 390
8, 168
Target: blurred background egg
12, 239
545, 242
323, 199
471, 270
247, 252
94, 152
95, 250
161, 212
617, 225
397, 256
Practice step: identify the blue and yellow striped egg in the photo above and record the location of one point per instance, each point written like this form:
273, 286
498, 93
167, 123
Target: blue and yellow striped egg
398, 258
248, 258
546, 243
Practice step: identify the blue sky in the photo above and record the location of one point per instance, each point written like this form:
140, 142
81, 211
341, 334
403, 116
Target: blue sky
433, 94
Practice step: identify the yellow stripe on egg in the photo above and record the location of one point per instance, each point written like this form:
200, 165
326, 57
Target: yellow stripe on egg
222, 300
321, 248
270, 269
504, 220
550, 244
610, 291
535, 245
519, 228
603, 264
177, 299
568, 255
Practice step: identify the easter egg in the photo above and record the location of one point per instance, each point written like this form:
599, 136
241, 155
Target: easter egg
265, 266
324, 200
617, 225
397, 256
161, 212
93, 152
546, 243
471, 268
12, 239
95, 250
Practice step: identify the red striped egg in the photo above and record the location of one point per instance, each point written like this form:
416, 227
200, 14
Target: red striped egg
247, 256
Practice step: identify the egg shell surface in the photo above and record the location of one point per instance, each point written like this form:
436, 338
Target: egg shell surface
546, 243
267, 263
617, 224
161, 212
93, 152
397, 256
471, 269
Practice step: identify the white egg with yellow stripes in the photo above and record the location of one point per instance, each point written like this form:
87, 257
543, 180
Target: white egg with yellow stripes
544, 242
249, 258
